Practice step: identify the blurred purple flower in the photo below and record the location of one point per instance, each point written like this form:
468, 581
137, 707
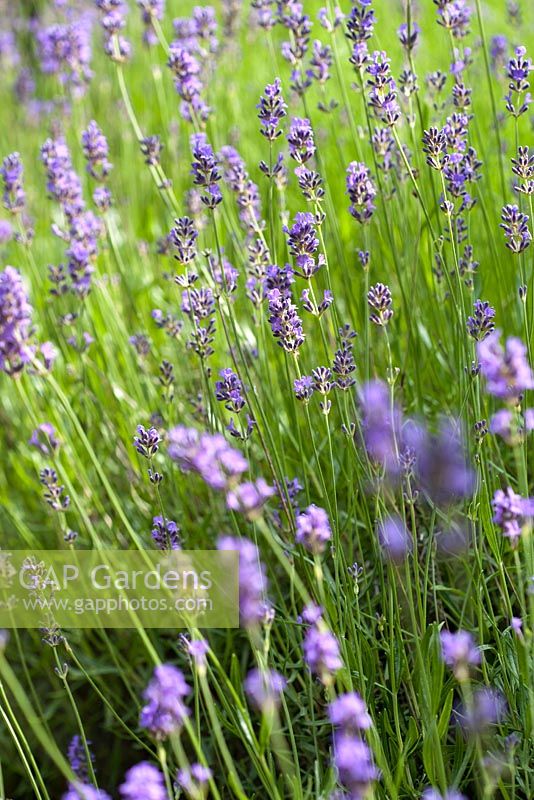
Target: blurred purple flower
510, 511
44, 438
15, 322
507, 372
253, 602
354, 764
394, 538
166, 534
164, 711
349, 713
459, 651
264, 688
143, 781
313, 529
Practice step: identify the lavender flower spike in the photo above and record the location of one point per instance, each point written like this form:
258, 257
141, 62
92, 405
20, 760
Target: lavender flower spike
300, 140
481, 323
313, 529
285, 322
510, 512
252, 580
271, 109
507, 372
354, 765
264, 688
96, 151
15, 322
349, 713
12, 171
459, 652
515, 226
164, 712
143, 781
361, 191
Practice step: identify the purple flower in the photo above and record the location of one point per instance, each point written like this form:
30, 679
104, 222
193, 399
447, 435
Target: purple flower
361, 191
516, 624
380, 425
44, 438
209, 455
293, 18
6, 231
247, 193
349, 713
198, 650
523, 167
450, 794
193, 780
488, 708
166, 534
394, 538
205, 170
198, 303
314, 307
15, 322
498, 50
271, 109
518, 70
64, 186
383, 93
77, 756
344, 364
250, 497
408, 36
151, 147
147, 441
184, 236
9, 54
455, 16
112, 22
300, 140
313, 529
303, 387
379, 300
252, 580
442, 468
459, 652
321, 61
96, 151
14, 195
311, 614
164, 712
515, 226
229, 391
510, 511
303, 243
360, 22
143, 781
481, 323
501, 423
321, 651
511, 426
284, 321
507, 372
354, 764
150, 10
264, 688
53, 493
65, 51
